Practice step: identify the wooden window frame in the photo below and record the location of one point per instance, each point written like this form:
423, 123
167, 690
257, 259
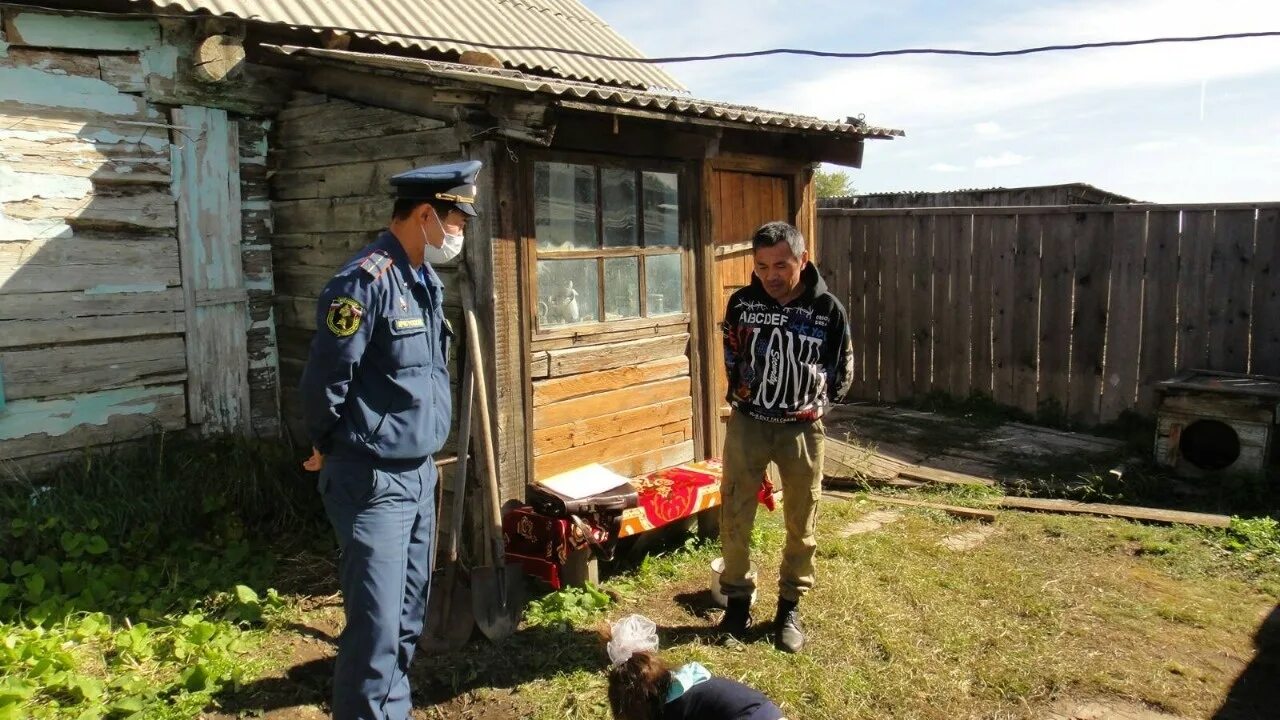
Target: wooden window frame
532, 254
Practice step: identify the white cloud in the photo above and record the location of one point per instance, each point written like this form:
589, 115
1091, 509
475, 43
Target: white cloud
1004, 159
945, 167
1155, 146
987, 128
915, 91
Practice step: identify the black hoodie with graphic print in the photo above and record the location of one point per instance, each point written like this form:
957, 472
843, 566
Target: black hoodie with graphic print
787, 363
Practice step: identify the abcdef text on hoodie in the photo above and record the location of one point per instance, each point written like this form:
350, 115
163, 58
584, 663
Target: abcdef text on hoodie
787, 363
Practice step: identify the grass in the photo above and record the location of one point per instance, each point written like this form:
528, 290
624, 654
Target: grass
903, 628
137, 584
1049, 607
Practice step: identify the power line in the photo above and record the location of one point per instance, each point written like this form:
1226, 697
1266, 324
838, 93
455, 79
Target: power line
255, 20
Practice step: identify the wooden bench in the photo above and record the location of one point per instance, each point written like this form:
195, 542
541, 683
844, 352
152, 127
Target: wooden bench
557, 550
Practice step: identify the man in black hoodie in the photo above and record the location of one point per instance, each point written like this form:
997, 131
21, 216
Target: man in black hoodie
788, 357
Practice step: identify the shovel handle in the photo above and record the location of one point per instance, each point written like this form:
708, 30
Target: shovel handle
466, 399
486, 436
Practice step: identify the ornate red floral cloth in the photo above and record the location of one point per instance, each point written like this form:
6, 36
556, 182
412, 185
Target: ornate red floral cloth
542, 544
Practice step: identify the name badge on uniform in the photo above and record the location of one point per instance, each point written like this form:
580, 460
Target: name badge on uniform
409, 323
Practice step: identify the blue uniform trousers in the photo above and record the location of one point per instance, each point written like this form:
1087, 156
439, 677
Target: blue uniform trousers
384, 518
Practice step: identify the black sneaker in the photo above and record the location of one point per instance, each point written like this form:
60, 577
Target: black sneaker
737, 618
788, 632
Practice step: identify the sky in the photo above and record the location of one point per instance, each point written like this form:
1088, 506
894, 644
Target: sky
1168, 123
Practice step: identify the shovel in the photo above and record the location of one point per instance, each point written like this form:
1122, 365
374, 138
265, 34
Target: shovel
497, 592
449, 618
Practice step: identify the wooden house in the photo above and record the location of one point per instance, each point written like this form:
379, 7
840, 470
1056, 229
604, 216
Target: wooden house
616, 213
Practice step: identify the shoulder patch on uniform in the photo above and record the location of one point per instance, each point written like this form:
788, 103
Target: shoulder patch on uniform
376, 263
343, 318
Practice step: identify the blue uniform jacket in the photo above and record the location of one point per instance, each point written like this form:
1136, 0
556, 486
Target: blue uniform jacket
376, 384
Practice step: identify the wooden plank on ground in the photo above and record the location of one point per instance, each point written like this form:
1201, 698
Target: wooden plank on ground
88, 367
546, 392
847, 460
1124, 316
1057, 279
1004, 305
922, 321
982, 308
1026, 311
1231, 290
604, 403
955, 511
571, 361
1195, 252
1071, 507
870, 332
1265, 359
923, 473
942, 322
1159, 306
1089, 324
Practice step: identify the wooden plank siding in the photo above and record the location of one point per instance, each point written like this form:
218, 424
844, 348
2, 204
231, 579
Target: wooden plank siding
92, 316
1070, 313
329, 203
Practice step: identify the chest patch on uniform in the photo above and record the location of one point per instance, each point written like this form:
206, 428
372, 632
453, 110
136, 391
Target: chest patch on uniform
409, 323
344, 316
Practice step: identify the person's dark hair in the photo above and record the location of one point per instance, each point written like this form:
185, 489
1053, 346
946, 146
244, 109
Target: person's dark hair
404, 207
770, 234
638, 687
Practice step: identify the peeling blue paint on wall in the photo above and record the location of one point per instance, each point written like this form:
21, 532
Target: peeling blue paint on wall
60, 416
88, 33
30, 86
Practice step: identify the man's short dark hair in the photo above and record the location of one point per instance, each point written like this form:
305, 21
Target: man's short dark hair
770, 234
404, 207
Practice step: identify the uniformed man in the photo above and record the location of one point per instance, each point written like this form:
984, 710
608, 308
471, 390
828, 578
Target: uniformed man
375, 395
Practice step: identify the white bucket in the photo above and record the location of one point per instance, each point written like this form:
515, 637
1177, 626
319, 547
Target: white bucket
717, 567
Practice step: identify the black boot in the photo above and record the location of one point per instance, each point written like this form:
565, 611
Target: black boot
788, 633
737, 618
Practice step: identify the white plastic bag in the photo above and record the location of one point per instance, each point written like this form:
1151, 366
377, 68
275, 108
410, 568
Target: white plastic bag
632, 634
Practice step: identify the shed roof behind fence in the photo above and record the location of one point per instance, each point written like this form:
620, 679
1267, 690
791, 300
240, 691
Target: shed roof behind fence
564, 24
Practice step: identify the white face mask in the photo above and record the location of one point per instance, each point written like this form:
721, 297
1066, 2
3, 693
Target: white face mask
448, 250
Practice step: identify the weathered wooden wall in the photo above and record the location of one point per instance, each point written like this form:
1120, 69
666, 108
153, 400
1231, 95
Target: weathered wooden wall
94, 318
623, 399
1069, 311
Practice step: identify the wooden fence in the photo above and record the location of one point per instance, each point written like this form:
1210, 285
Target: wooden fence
1073, 309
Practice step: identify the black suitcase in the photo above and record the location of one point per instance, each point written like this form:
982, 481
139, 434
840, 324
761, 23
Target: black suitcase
602, 510
552, 504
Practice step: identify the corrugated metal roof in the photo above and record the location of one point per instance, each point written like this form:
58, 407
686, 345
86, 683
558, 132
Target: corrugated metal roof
564, 24
593, 93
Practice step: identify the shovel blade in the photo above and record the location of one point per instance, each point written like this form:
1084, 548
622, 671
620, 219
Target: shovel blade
498, 599
449, 619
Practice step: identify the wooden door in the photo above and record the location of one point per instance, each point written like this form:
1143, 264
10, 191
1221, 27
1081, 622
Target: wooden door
740, 202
